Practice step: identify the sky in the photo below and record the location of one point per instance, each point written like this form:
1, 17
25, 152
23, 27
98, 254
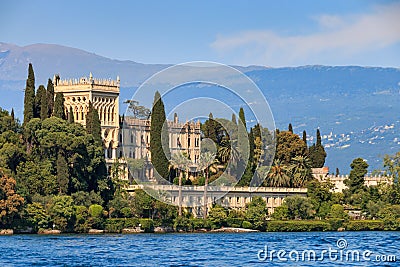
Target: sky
267, 33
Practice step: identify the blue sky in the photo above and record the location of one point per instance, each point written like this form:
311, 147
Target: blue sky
270, 33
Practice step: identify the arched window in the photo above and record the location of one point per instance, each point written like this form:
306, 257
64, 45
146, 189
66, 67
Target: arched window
109, 151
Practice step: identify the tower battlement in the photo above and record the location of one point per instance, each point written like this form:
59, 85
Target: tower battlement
84, 83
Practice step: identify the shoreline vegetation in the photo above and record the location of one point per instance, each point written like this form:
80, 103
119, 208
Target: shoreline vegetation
117, 226
54, 179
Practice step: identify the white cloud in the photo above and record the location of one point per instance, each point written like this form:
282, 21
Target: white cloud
338, 37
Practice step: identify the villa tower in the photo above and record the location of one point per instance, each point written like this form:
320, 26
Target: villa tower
104, 95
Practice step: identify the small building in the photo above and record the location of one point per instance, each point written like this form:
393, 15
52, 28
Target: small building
322, 174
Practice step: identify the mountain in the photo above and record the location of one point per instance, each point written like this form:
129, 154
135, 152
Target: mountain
49, 59
356, 108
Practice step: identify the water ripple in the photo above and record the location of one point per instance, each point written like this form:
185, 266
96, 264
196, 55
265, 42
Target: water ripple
203, 249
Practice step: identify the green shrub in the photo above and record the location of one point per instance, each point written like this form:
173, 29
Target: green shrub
199, 223
217, 216
147, 225
62, 212
183, 224
234, 222
37, 216
114, 225
335, 223
131, 222
247, 225
365, 225
96, 211
96, 216
127, 212
337, 211
82, 225
297, 226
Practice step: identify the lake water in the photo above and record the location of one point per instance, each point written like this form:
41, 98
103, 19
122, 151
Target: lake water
203, 249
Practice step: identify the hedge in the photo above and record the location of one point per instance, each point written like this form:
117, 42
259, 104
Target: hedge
335, 223
365, 225
297, 226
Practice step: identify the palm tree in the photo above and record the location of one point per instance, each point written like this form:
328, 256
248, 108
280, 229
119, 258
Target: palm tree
301, 170
278, 175
180, 161
228, 151
262, 173
206, 160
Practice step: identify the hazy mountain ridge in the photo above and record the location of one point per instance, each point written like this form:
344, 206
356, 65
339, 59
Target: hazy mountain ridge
49, 59
349, 101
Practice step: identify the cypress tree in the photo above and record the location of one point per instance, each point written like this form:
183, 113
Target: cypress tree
93, 124
257, 145
70, 115
158, 137
319, 138
290, 128
59, 106
62, 173
251, 146
234, 118
257, 131
210, 128
12, 115
305, 137
29, 97
317, 153
89, 118
243, 163
41, 102
337, 172
50, 98
96, 127
241, 117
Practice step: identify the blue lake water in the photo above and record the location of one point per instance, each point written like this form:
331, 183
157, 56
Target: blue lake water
203, 249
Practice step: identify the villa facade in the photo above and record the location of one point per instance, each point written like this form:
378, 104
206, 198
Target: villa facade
130, 140
104, 95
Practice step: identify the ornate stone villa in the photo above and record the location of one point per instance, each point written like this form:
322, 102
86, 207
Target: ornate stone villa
131, 140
